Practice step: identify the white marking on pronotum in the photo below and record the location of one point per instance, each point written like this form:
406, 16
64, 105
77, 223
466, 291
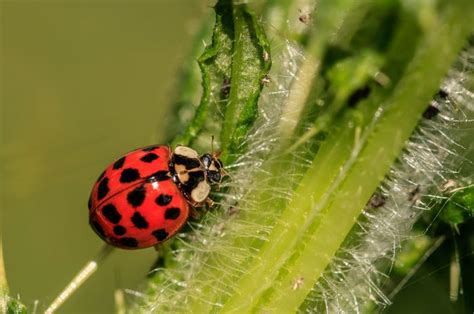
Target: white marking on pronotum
200, 193
186, 152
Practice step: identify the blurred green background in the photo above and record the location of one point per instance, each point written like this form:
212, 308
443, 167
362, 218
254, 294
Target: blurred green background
81, 83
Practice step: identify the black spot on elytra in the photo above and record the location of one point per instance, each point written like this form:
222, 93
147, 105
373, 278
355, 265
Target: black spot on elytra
172, 213
189, 163
160, 234
89, 202
101, 176
358, 95
150, 148
149, 157
159, 176
163, 199
98, 228
119, 163
129, 175
111, 213
136, 197
128, 242
120, 230
103, 188
139, 221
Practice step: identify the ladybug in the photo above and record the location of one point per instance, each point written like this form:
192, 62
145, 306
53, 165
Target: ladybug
146, 196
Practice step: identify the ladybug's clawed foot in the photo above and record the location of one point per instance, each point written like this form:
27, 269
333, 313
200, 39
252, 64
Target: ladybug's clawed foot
209, 202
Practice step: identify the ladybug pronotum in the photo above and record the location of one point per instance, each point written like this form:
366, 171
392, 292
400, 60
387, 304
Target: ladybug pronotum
145, 197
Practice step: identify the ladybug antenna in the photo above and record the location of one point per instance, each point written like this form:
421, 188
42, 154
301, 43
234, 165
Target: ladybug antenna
213, 152
80, 278
212, 145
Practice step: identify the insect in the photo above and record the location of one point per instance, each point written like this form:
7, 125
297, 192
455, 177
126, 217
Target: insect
146, 196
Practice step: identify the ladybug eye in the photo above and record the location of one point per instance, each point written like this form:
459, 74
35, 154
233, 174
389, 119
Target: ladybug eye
206, 160
214, 176
213, 166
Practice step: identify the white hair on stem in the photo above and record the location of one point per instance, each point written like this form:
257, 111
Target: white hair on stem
432, 157
208, 237
354, 277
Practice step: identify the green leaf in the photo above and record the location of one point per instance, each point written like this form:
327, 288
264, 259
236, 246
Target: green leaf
15, 307
458, 207
232, 68
250, 64
215, 64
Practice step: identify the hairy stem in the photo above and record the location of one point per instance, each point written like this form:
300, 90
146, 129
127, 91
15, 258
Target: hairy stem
360, 176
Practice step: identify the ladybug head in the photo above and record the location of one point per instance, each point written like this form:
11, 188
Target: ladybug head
214, 167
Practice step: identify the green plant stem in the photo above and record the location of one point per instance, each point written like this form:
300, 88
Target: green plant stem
291, 224
360, 146
433, 58
359, 179
250, 64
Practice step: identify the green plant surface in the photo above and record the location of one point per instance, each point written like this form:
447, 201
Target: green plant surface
459, 206
358, 182
250, 64
449, 223
215, 64
232, 77
15, 307
233, 68
329, 19
342, 175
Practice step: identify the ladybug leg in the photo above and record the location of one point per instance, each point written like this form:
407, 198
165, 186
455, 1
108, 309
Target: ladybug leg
193, 206
225, 173
209, 202
194, 213
158, 247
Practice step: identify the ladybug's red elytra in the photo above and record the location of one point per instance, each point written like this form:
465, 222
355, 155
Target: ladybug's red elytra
144, 197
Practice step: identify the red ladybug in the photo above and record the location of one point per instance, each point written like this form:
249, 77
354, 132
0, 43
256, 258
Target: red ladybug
144, 197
